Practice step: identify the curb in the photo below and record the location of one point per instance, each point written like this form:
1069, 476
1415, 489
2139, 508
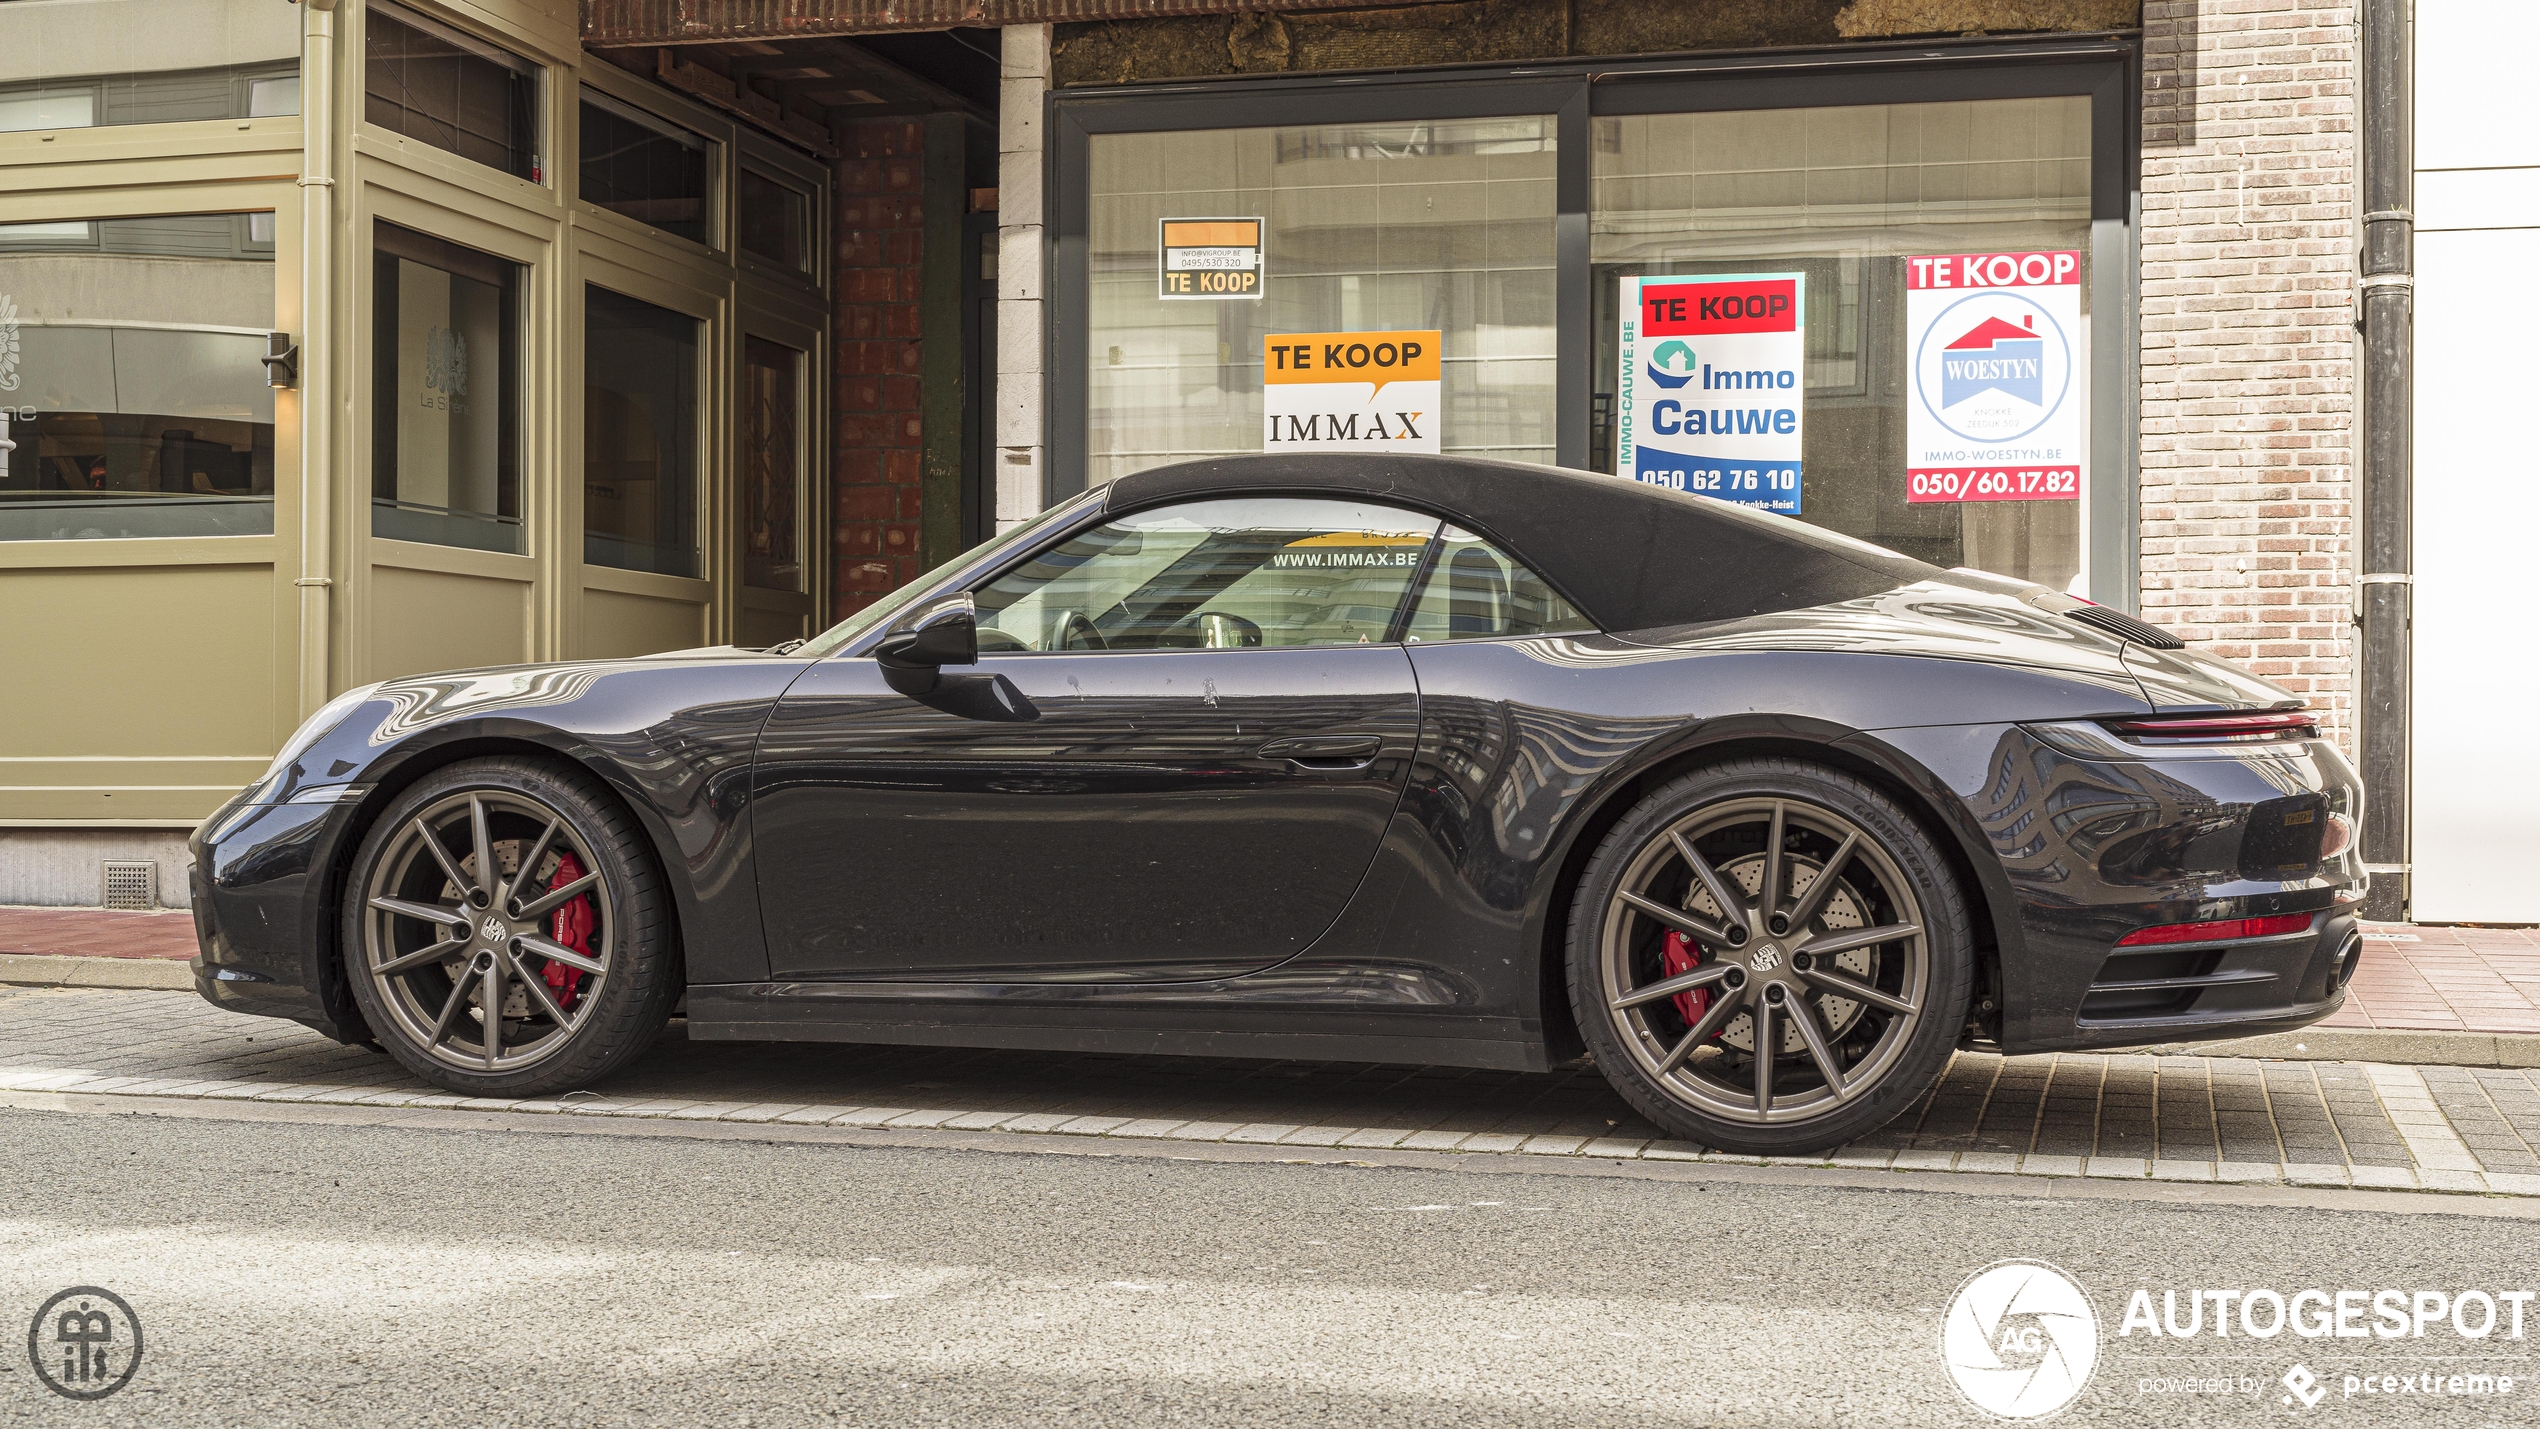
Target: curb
62, 970
2393, 1045
2316, 1044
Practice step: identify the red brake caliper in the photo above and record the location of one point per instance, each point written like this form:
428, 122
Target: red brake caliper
1681, 955
573, 929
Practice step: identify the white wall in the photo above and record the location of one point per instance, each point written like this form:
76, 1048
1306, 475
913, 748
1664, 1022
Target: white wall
2476, 775
1022, 441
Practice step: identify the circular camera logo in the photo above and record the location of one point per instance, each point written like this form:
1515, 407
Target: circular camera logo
2020, 1339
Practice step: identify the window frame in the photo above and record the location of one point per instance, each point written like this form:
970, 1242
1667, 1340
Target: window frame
711, 191
2105, 68
514, 396
542, 121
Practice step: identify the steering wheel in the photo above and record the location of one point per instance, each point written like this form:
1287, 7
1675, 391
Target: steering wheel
1075, 632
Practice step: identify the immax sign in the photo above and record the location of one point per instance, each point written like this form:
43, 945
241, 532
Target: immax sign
1351, 392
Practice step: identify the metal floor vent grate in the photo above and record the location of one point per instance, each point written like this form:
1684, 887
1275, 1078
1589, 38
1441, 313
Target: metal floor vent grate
131, 885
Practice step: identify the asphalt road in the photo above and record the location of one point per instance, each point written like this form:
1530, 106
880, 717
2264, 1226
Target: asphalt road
302, 1273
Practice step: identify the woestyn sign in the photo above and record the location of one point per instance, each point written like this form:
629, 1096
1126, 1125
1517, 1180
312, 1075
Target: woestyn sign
1350, 392
1208, 258
1998, 377
1709, 396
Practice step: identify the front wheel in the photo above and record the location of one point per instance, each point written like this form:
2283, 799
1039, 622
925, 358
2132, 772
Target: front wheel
505, 931
1769, 956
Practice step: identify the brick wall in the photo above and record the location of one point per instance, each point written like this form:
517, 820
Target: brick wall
2249, 369
880, 448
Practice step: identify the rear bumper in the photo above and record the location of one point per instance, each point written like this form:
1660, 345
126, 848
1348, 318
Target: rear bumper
2075, 847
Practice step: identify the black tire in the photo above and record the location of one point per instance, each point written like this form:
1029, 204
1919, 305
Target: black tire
576, 1025
1675, 1053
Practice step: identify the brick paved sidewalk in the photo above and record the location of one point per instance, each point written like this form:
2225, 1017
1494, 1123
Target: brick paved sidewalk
2127, 1117
2413, 978
95, 933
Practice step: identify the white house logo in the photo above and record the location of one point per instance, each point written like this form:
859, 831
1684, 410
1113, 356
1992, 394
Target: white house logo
2020, 1339
1993, 367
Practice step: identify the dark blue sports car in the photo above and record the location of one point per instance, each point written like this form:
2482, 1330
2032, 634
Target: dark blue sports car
1394, 759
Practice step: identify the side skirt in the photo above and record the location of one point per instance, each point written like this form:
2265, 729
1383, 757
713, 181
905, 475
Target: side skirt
987, 1016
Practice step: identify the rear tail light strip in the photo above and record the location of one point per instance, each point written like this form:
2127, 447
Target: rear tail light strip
2225, 930
2222, 728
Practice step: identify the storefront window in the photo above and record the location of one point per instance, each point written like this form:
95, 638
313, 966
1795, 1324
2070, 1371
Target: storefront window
445, 389
73, 64
639, 435
448, 89
639, 167
774, 221
771, 483
1845, 196
132, 376
1442, 226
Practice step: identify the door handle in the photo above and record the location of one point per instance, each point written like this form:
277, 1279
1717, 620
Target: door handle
1324, 751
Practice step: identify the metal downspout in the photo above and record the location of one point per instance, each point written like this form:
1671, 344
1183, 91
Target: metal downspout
2386, 554
316, 581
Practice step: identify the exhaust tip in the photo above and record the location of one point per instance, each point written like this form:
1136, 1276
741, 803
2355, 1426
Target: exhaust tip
2349, 957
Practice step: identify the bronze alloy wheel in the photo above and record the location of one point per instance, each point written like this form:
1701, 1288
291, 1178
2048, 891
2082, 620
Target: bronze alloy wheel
504, 931
1773, 966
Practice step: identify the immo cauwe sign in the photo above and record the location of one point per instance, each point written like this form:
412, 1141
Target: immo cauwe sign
1350, 392
1708, 397
1994, 343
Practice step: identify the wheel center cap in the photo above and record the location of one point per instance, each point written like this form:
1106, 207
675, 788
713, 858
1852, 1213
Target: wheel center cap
1765, 958
493, 930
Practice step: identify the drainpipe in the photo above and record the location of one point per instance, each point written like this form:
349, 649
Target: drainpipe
2384, 598
316, 581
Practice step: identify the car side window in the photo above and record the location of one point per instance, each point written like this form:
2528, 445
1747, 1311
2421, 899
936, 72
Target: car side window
1221, 574
1476, 591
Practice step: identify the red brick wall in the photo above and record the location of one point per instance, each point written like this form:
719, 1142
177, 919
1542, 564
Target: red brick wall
2248, 340
880, 237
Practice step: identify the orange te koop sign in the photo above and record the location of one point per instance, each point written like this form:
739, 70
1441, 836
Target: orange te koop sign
1351, 391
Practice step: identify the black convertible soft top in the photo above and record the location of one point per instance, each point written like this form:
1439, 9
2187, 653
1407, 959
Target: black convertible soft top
1630, 556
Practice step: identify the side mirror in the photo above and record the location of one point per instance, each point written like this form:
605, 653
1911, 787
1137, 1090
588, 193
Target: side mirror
913, 654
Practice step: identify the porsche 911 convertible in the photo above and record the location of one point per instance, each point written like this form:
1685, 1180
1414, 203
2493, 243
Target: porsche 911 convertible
1415, 760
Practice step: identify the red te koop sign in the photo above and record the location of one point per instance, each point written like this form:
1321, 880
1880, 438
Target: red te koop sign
1692, 309
1993, 270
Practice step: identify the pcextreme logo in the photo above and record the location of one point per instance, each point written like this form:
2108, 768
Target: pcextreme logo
2020, 1339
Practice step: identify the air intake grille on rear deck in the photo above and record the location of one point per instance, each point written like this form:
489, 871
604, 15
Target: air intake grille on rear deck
131, 885
2117, 622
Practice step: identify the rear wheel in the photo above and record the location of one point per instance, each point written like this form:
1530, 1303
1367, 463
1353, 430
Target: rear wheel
505, 931
1769, 956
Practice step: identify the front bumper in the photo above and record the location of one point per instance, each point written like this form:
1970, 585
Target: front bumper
2087, 842
265, 939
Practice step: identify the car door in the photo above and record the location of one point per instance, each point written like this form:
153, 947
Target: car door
1186, 734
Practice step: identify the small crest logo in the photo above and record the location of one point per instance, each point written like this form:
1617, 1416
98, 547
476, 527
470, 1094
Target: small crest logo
8, 343
445, 361
85, 1343
2020, 1339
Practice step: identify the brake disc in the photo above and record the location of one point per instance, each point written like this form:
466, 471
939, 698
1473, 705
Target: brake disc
1842, 910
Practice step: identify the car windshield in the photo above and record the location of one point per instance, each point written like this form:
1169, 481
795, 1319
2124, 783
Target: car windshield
838, 636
